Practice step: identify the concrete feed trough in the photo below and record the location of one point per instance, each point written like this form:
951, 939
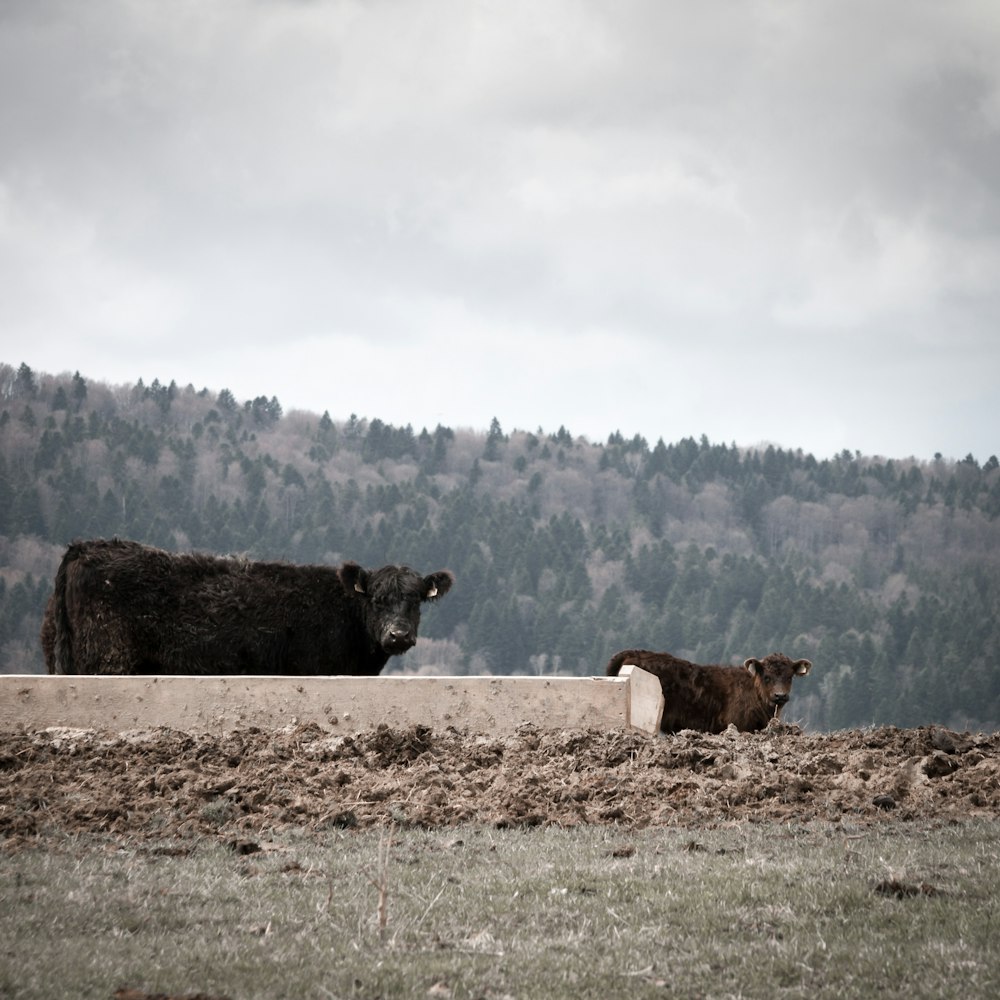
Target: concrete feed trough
344, 705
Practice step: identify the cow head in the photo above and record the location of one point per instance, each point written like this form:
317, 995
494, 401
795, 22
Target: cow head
389, 600
773, 676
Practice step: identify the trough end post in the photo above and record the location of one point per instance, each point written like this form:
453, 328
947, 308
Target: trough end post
644, 699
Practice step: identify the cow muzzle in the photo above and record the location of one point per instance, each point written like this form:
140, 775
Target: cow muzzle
778, 702
398, 638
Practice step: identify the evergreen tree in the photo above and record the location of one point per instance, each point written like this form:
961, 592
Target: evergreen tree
25, 385
495, 437
78, 391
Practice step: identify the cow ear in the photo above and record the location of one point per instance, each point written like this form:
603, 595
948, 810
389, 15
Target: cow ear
353, 577
753, 665
437, 585
802, 667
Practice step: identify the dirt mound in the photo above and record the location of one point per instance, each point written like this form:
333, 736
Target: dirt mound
163, 784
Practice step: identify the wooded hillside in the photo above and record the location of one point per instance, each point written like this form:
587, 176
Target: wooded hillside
885, 573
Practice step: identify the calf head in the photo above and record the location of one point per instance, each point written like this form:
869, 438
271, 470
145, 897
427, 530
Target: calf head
773, 678
389, 601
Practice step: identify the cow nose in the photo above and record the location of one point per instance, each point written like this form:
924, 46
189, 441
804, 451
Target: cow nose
779, 699
398, 633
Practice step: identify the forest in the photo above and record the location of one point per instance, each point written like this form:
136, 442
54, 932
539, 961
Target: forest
884, 572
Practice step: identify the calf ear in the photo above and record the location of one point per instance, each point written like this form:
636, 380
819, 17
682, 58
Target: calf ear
753, 665
437, 585
802, 666
353, 577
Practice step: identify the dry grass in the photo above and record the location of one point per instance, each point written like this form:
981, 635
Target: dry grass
745, 911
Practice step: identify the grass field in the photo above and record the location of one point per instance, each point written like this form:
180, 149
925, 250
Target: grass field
748, 910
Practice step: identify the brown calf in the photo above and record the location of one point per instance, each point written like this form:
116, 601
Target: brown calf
712, 697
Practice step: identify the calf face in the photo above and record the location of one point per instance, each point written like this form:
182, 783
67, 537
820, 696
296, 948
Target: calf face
773, 678
389, 600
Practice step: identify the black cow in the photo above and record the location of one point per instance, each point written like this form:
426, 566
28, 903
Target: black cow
124, 608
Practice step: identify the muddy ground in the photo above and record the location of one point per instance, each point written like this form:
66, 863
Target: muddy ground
162, 785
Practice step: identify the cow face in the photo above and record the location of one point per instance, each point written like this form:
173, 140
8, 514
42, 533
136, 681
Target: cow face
773, 676
389, 601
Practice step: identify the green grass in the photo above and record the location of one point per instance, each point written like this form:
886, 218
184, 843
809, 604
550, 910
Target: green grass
745, 911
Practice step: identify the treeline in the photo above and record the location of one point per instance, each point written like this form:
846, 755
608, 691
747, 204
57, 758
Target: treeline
883, 572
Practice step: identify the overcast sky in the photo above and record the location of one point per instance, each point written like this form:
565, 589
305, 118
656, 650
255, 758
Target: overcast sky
760, 221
